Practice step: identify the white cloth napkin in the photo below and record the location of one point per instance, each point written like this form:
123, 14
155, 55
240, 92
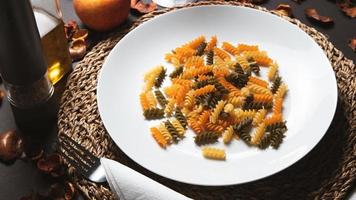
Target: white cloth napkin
128, 184
171, 3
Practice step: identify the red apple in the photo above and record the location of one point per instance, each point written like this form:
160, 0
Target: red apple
102, 15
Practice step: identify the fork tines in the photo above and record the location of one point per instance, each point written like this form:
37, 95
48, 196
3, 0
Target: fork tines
77, 156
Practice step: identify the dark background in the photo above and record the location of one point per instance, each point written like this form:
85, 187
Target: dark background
22, 178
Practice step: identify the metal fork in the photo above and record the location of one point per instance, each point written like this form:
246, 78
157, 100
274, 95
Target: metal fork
82, 160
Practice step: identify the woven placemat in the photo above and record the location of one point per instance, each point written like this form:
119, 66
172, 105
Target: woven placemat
327, 172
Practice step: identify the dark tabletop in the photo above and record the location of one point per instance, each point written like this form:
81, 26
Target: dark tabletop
22, 178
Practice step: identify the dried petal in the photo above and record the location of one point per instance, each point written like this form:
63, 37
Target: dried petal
80, 34
284, 9
352, 44
348, 9
77, 49
258, 1
70, 28
313, 14
50, 164
69, 191
298, 1
2, 95
11, 145
143, 7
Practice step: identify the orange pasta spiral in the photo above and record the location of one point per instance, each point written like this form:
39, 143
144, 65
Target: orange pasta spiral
259, 56
214, 127
230, 48
258, 81
244, 47
221, 53
277, 106
212, 43
194, 125
273, 119
194, 61
204, 90
144, 102
157, 135
263, 98
195, 43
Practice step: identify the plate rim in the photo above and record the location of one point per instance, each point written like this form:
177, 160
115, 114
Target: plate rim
332, 110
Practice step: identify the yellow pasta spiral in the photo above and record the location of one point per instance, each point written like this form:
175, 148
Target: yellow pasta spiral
189, 99
191, 73
229, 108
258, 134
151, 99
259, 56
273, 71
214, 153
259, 117
228, 135
237, 101
281, 92
217, 110
243, 62
170, 106
178, 126
256, 89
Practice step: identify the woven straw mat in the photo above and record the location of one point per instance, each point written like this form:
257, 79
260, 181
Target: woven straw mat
327, 172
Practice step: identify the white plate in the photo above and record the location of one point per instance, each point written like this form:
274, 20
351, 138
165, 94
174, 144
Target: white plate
309, 106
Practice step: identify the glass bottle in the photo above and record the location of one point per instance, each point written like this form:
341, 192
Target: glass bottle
49, 21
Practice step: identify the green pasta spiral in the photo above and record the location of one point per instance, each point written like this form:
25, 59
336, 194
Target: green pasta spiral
238, 80
206, 138
265, 141
257, 105
244, 134
278, 125
173, 131
153, 113
213, 99
200, 49
220, 88
210, 57
160, 98
243, 124
276, 83
178, 71
277, 136
181, 118
160, 78
238, 69
254, 66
